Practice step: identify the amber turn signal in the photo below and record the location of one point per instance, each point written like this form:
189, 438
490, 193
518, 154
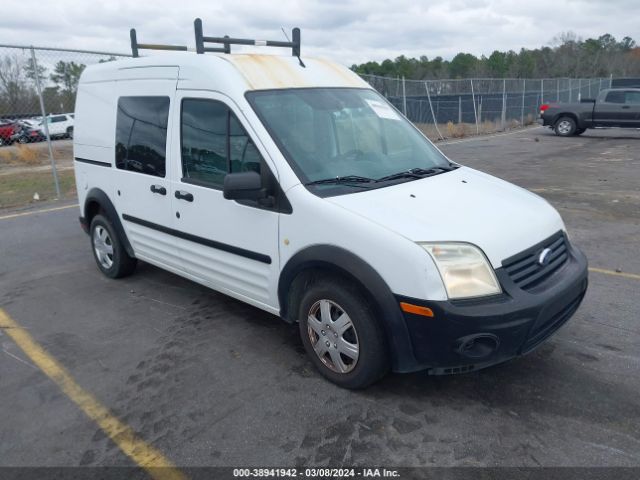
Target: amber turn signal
416, 309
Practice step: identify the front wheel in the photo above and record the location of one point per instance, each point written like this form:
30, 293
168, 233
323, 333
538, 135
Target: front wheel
70, 132
565, 127
108, 251
341, 334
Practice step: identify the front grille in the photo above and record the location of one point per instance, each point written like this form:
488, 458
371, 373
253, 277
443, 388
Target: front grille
524, 268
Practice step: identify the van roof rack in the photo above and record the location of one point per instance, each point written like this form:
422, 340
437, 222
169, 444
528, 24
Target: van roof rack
135, 46
227, 41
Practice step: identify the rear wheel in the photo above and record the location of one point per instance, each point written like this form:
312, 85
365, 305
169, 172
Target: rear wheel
341, 335
108, 251
565, 127
580, 131
70, 132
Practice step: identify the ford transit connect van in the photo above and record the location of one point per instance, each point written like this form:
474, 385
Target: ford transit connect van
290, 184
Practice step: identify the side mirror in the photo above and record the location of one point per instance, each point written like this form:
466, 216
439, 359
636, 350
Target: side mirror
243, 186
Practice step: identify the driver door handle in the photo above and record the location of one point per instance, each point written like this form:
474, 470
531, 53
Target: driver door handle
158, 189
182, 195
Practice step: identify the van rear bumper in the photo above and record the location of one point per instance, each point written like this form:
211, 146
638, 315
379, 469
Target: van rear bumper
467, 335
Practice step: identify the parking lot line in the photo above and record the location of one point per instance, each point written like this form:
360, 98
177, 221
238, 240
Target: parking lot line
33, 212
143, 454
614, 273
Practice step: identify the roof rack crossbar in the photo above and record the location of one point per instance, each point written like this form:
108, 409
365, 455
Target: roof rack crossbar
135, 46
227, 41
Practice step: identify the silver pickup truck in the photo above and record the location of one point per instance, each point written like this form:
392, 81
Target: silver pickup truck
618, 107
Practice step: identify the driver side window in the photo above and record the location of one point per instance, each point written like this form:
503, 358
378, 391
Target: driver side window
214, 143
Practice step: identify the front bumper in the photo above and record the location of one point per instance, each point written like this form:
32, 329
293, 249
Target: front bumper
466, 335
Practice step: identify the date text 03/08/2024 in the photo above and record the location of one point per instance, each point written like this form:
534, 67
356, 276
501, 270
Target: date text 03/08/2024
316, 473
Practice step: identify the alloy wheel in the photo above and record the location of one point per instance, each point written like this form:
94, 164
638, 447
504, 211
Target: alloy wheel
564, 127
103, 246
333, 336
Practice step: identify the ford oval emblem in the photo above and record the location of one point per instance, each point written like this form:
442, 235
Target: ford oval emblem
543, 258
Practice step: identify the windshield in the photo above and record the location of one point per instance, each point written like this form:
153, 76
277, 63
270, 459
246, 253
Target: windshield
345, 139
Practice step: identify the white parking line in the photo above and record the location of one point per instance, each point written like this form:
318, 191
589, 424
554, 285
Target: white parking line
33, 212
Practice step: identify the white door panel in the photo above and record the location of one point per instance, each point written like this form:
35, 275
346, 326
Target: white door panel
142, 191
224, 244
244, 255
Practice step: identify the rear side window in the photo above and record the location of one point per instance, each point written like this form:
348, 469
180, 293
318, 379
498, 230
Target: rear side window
141, 134
632, 98
615, 97
214, 143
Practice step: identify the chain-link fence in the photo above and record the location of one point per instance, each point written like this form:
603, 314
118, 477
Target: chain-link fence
37, 99
38, 89
451, 108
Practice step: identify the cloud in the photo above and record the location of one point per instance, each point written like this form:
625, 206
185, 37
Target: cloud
349, 31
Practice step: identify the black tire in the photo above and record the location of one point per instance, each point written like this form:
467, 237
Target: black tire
121, 263
580, 131
372, 361
565, 127
70, 132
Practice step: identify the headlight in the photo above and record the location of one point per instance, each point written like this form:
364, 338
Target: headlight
464, 269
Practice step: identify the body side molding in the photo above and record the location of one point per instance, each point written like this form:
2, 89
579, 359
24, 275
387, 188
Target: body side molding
259, 257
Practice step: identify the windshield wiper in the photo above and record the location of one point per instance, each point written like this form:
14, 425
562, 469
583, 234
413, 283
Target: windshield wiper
346, 180
415, 173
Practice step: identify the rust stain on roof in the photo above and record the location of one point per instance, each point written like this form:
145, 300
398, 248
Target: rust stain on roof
268, 71
271, 71
345, 74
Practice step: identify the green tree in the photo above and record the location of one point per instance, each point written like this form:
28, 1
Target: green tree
66, 76
463, 65
32, 69
497, 64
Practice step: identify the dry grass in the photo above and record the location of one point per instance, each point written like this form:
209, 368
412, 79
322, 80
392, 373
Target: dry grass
452, 130
27, 155
34, 154
22, 155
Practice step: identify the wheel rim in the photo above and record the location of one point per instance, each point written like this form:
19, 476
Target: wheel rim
564, 127
103, 246
333, 336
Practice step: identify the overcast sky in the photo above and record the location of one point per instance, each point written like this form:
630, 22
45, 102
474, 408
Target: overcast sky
349, 31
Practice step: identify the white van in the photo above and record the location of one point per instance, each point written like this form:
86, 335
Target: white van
290, 184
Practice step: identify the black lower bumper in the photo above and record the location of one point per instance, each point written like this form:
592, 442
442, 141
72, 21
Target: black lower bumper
467, 335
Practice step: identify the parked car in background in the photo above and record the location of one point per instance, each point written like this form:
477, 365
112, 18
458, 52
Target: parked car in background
7, 130
617, 107
60, 126
32, 122
26, 134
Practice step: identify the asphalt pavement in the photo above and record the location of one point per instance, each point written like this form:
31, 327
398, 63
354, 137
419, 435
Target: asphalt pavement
210, 381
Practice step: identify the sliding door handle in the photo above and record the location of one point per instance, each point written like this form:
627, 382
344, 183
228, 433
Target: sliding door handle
181, 195
158, 189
